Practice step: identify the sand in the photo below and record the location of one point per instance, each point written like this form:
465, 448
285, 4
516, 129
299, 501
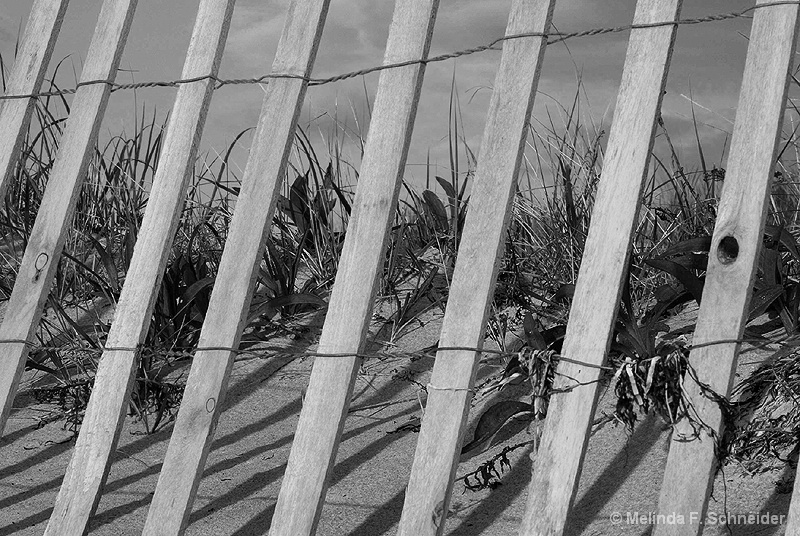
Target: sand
618, 491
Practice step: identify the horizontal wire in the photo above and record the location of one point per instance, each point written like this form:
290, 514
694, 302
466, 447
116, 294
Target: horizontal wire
363, 355
560, 37
557, 38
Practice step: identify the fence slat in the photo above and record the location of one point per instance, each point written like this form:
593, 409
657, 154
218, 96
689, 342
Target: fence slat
732, 264
230, 299
54, 218
557, 465
27, 75
449, 392
793, 519
330, 386
86, 474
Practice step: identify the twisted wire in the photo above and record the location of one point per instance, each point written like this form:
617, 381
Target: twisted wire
429, 352
553, 37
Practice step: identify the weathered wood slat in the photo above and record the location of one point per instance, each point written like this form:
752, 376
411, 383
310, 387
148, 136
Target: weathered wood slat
557, 465
58, 203
330, 386
793, 519
449, 392
87, 471
26, 77
732, 264
230, 299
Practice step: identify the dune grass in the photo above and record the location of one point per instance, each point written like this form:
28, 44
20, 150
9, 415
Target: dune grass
550, 218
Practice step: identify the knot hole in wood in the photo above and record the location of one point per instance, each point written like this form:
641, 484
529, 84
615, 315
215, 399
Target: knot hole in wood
727, 250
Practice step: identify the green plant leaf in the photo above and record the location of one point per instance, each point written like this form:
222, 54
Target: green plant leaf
700, 244
532, 335
448, 188
564, 292
666, 299
492, 420
554, 336
270, 307
770, 265
298, 299
80, 330
780, 234
691, 282
436, 209
298, 203
108, 263
693, 261
464, 187
96, 280
342, 199
195, 288
762, 299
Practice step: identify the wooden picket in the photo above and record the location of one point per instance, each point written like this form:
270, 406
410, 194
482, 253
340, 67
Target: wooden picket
449, 392
26, 77
331, 384
793, 519
230, 299
557, 463
732, 264
49, 232
87, 471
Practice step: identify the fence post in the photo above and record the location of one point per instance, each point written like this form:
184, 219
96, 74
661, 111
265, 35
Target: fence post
54, 218
230, 298
30, 66
732, 264
557, 464
331, 384
87, 471
793, 520
449, 392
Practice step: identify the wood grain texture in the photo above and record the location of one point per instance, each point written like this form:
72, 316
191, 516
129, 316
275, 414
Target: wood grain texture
26, 77
793, 519
330, 386
230, 299
88, 468
557, 465
691, 463
49, 232
477, 264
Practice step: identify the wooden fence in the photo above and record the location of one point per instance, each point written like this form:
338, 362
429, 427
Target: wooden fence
557, 465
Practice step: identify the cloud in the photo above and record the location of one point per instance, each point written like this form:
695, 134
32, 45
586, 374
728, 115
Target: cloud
355, 32
708, 58
253, 37
9, 29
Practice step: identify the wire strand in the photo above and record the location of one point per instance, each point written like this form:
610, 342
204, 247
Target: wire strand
428, 352
557, 37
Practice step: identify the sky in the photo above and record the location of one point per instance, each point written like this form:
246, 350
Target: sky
706, 69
